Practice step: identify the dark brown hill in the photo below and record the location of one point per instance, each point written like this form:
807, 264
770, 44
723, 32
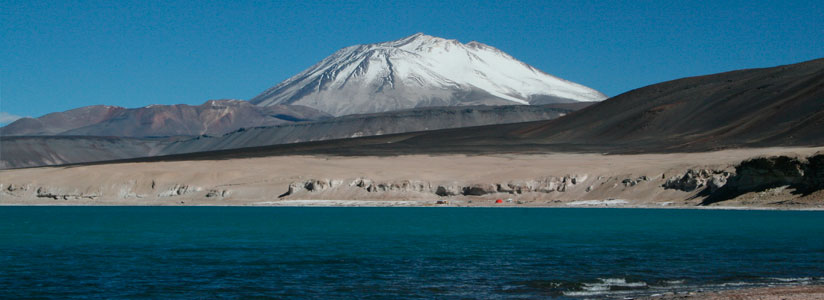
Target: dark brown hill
779, 106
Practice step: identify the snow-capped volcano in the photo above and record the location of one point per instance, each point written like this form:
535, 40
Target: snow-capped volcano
418, 71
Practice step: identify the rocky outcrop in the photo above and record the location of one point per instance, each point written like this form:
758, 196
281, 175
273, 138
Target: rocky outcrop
61, 195
628, 182
148, 189
543, 185
695, 179
814, 172
448, 190
775, 173
179, 189
764, 173
479, 189
319, 185
12, 188
314, 185
217, 193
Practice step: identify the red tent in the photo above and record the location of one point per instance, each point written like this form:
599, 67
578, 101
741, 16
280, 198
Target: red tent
499, 201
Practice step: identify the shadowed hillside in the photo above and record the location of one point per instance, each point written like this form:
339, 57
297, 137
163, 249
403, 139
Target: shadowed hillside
778, 106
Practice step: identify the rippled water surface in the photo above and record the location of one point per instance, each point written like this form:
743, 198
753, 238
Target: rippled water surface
323, 253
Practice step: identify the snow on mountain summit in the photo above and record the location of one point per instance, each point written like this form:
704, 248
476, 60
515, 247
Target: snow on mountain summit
418, 71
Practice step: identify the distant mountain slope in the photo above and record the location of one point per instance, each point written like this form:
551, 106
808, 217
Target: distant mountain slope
214, 117
420, 119
29, 151
58, 122
421, 71
32, 151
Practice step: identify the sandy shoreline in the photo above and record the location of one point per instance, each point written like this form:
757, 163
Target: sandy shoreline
410, 204
529, 180
802, 292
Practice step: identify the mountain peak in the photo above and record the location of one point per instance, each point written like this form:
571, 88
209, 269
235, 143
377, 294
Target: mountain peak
419, 35
415, 42
421, 70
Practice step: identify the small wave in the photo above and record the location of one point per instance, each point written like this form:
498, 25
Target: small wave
621, 282
582, 293
726, 284
796, 279
606, 286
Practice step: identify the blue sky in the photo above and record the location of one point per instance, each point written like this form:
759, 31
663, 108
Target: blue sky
58, 55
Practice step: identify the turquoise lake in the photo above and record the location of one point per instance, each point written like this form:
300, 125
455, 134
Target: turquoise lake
399, 253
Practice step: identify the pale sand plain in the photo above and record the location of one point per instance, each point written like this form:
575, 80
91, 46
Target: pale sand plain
600, 180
